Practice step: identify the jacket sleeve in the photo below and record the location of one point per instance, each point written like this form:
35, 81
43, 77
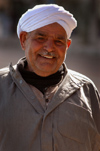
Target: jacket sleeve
95, 105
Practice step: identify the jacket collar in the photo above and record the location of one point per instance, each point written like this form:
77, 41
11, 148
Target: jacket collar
69, 85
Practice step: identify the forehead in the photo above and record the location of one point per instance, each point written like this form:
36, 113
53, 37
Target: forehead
53, 29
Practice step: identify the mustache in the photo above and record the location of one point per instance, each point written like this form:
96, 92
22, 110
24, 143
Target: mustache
46, 53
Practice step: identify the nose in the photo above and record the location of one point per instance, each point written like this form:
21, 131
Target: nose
49, 45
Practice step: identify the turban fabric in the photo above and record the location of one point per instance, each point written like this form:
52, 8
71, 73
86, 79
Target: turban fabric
45, 14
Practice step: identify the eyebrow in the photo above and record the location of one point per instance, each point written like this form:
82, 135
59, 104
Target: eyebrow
40, 33
59, 37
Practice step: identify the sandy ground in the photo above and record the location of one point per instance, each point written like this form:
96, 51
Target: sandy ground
80, 58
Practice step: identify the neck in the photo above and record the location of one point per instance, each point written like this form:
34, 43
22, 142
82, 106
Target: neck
38, 81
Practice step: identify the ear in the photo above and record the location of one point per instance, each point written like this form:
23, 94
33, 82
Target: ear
23, 38
68, 42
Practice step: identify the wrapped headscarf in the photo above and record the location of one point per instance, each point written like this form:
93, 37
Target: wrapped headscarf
45, 14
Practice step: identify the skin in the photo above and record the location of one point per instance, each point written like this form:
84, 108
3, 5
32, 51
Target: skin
45, 48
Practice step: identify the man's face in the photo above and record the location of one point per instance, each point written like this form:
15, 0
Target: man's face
45, 48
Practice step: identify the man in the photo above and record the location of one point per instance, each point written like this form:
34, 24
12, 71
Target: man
43, 105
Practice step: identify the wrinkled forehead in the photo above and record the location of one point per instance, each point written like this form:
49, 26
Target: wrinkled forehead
53, 30
50, 29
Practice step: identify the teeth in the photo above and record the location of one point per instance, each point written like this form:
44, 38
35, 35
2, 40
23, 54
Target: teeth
49, 57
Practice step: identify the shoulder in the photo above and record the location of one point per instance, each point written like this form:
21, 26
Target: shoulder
7, 70
76, 76
4, 71
4, 76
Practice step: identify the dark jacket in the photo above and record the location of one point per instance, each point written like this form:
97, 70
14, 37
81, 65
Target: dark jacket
70, 123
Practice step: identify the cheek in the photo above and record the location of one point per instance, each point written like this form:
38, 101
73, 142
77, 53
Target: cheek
32, 54
36, 45
62, 52
29, 53
30, 50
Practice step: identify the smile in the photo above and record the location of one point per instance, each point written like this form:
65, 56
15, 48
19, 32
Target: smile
47, 56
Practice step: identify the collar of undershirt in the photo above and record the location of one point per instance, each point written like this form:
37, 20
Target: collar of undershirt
41, 83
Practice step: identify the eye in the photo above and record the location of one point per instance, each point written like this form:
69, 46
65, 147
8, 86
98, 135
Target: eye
40, 38
58, 42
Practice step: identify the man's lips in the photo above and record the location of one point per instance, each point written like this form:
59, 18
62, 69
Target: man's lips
47, 56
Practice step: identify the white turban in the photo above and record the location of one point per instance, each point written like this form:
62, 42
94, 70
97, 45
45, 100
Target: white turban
46, 14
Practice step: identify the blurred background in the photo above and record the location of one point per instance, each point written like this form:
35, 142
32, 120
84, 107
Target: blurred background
84, 52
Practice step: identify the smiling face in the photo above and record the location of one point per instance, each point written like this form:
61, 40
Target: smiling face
45, 48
